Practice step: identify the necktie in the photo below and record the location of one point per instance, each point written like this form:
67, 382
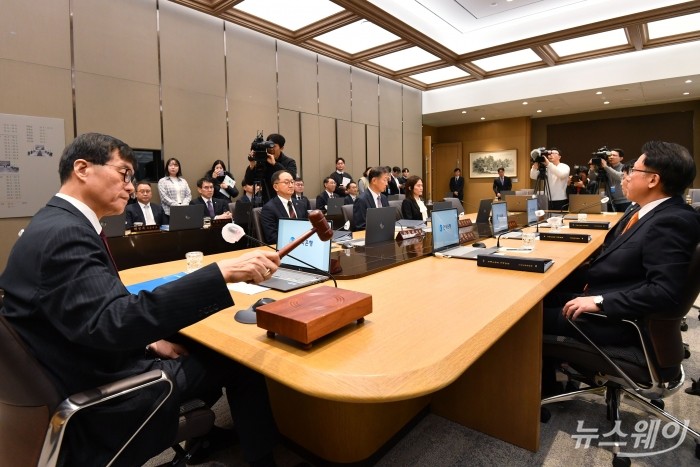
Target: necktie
148, 215
292, 214
633, 220
210, 208
109, 252
379, 201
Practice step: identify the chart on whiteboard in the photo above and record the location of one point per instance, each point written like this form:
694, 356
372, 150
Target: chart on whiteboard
30, 148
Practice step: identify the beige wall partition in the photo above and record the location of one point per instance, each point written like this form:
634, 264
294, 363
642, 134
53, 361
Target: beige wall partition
218, 84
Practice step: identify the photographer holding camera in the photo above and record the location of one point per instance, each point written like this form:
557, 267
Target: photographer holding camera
266, 158
609, 166
579, 183
555, 173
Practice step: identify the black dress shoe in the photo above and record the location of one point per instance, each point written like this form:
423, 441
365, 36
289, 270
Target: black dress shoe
216, 440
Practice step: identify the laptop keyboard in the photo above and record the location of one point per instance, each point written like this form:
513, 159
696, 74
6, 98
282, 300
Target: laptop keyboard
297, 277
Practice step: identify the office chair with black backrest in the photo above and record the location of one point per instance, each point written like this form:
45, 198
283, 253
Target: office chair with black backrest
643, 375
347, 214
396, 203
33, 418
257, 226
456, 203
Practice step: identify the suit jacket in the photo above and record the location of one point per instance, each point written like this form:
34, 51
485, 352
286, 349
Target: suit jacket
257, 199
231, 192
641, 271
322, 200
362, 203
498, 187
410, 210
349, 200
134, 213
338, 177
220, 206
66, 301
262, 174
270, 215
458, 186
302, 204
392, 188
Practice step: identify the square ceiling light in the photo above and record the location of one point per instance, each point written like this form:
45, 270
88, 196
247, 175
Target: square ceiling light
440, 75
602, 40
406, 58
290, 15
357, 36
511, 59
674, 26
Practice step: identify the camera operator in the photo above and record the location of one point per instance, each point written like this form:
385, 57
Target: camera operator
579, 183
612, 168
557, 174
260, 172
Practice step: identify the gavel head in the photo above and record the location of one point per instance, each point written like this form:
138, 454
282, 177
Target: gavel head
320, 224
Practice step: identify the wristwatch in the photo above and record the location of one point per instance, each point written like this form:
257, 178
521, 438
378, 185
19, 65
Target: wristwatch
598, 300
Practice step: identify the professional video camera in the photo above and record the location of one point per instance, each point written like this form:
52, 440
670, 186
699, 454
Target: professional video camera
598, 155
538, 155
260, 147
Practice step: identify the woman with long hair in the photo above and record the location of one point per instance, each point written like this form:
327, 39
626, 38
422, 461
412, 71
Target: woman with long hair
224, 183
413, 206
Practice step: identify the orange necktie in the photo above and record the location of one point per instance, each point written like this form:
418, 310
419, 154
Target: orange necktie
633, 220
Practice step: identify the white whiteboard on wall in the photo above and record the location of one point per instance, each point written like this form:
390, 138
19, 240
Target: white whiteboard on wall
30, 148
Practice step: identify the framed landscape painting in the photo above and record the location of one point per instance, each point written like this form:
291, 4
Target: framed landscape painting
485, 164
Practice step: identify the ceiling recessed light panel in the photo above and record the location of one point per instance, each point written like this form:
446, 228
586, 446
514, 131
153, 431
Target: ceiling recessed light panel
673, 26
406, 58
508, 60
443, 74
291, 15
598, 41
358, 36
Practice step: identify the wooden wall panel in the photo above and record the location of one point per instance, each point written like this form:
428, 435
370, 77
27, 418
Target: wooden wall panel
365, 92
296, 68
334, 96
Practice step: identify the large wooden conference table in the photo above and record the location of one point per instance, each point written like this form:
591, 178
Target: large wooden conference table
444, 333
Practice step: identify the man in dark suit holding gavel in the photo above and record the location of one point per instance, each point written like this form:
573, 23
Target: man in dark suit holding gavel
64, 298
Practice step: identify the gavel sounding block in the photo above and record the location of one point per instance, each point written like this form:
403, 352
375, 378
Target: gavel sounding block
310, 315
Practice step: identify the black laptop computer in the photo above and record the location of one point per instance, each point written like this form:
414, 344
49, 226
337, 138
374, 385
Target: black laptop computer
304, 265
379, 227
333, 206
446, 237
442, 205
243, 213
114, 226
186, 217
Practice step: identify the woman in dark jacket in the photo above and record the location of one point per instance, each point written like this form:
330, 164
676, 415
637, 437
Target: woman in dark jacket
413, 206
223, 188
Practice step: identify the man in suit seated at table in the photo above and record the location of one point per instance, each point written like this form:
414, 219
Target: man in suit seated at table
64, 298
327, 193
301, 202
372, 197
351, 191
143, 210
642, 270
279, 206
214, 208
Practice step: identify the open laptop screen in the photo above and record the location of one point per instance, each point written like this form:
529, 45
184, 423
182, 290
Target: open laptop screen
531, 209
445, 229
312, 251
499, 217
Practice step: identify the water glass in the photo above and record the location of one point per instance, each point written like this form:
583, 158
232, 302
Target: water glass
194, 260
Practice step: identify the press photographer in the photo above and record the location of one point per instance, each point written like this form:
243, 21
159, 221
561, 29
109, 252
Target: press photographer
552, 176
266, 158
608, 164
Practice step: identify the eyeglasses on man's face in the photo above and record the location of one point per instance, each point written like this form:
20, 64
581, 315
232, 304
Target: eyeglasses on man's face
125, 171
633, 170
285, 182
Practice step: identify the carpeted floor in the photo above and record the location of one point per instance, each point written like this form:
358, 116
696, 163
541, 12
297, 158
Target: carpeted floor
435, 441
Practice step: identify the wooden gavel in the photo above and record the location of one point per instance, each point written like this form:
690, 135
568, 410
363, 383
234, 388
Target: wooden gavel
319, 225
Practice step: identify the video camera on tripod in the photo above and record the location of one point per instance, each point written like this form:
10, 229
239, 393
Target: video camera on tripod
260, 149
538, 156
598, 155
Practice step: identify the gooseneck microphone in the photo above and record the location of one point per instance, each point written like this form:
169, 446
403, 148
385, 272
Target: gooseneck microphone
539, 213
498, 239
603, 200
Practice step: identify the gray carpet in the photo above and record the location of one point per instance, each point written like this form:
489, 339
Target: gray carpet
435, 441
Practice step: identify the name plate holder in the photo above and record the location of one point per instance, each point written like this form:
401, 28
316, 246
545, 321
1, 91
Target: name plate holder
220, 222
145, 228
467, 237
405, 234
464, 223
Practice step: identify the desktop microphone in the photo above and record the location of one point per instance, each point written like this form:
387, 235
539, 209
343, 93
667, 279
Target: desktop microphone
498, 239
539, 213
603, 200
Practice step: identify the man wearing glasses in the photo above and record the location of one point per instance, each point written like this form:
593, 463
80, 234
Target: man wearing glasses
641, 269
143, 210
64, 298
279, 206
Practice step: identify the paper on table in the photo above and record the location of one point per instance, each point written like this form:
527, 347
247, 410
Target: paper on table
246, 288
